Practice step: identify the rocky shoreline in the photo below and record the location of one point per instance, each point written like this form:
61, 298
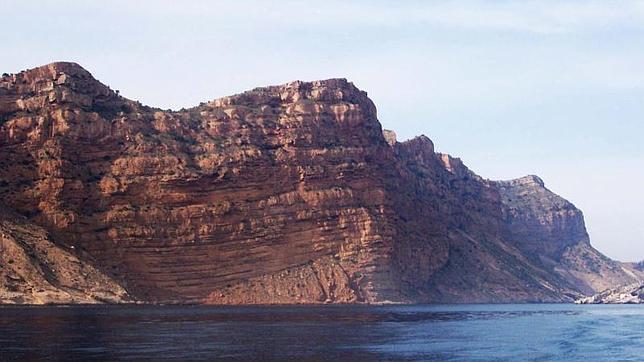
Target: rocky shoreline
629, 294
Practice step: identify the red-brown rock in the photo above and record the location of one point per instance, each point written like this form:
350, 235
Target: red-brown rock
283, 194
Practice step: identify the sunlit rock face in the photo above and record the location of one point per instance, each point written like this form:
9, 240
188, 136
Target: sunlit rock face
627, 294
34, 270
283, 194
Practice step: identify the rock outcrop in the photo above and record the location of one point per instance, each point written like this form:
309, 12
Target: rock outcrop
629, 294
551, 232
283, 194
34, 270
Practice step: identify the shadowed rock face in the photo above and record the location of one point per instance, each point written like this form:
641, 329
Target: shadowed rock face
543, 223
551, 232
283, 194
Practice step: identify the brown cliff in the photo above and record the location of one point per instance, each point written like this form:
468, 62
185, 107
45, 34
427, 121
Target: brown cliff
551, 232
283, 194
34, 270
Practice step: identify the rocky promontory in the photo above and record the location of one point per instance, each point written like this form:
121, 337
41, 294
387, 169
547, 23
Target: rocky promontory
282, 194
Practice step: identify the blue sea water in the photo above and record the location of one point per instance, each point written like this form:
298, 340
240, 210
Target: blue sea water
527, 332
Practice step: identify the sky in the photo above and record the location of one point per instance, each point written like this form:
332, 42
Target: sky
553, 88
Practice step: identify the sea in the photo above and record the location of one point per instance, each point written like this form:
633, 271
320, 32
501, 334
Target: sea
502, 332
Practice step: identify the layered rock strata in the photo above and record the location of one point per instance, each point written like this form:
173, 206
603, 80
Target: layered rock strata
34, 270
283, 194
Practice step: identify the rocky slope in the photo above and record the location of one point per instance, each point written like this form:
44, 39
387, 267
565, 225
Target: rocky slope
628, 294
34, 270
283, 194
551, 232
639, 265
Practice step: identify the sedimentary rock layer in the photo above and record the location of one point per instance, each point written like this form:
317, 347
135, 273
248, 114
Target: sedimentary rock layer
34, 270
283, 194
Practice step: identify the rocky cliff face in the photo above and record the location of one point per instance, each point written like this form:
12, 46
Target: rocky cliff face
284, 194
551, 232
34, 270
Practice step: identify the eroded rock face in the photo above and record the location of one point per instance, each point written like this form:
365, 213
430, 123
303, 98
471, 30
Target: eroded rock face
551, 232
33, 270
178, 205
544, 224
283, 194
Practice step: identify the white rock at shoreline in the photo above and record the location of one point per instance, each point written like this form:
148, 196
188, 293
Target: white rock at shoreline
629, 294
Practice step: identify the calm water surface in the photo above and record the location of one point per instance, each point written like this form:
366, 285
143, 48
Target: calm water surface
461, 332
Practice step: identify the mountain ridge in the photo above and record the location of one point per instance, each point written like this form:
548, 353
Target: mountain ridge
281, 194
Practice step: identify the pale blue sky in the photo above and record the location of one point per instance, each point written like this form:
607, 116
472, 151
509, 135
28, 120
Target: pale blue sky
513, 87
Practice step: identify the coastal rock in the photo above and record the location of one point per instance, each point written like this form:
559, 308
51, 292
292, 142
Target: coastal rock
551, 232
282, 194
543, 223
629, 294
33, 270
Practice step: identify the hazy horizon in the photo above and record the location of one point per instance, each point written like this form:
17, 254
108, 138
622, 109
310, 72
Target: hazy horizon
512, 87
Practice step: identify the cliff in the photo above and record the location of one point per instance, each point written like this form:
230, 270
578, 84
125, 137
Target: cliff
283, 194
34, 270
